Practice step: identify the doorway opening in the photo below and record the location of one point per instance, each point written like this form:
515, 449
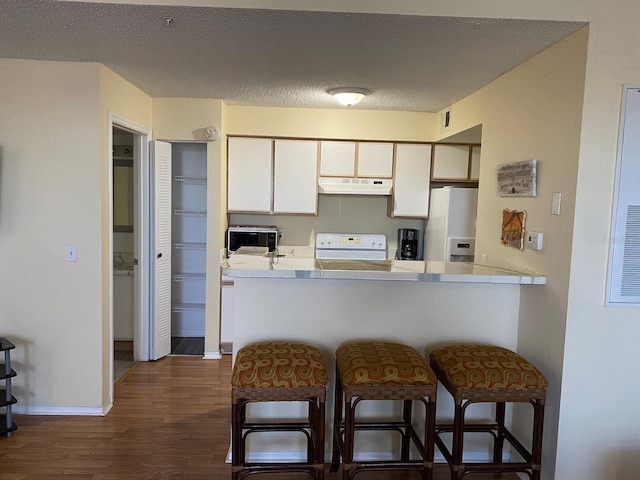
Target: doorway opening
189, 247
123, 224
128, 247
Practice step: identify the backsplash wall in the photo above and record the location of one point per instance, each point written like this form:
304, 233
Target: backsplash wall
336, 213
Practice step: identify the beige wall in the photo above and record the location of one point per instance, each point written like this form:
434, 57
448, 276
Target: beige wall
534, 112
51, 172
597, 437
601, 342
54, 191
119, 97
339, 123
185, 119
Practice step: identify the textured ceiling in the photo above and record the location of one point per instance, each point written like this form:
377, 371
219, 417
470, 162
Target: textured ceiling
278, 58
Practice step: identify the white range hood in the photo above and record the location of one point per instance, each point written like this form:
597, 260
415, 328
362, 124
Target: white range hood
355, 186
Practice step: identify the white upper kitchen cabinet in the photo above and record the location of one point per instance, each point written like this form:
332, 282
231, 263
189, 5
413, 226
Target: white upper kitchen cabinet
411, 180
450, 162
295, 176
356, 159
337, 159
375, 160
475, 163
249, 175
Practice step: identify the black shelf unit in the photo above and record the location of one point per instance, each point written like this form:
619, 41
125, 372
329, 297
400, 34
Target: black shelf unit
6, 398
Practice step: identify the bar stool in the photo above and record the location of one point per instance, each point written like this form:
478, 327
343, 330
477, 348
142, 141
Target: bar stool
278, 371
484, 373
374, 370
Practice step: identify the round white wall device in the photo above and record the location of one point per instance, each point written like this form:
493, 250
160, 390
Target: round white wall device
211, 133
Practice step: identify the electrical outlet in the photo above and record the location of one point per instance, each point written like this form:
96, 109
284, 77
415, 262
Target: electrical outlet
535, 240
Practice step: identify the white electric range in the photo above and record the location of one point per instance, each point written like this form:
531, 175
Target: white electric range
351, 251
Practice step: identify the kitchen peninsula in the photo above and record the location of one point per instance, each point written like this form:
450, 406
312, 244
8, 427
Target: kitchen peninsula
421, 304
251, 266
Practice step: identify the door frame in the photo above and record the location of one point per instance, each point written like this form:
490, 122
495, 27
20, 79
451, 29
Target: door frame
141, 330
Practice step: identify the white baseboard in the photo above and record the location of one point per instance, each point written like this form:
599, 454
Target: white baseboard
48, 410
212, 356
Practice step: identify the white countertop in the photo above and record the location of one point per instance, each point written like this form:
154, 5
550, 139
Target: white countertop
304, 267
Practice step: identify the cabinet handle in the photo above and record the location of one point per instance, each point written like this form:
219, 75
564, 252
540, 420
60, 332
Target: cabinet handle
159, 255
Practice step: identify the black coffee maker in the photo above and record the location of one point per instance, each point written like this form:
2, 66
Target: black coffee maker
407, 244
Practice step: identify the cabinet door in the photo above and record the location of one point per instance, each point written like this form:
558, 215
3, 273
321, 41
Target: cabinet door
475, 163
249, 175
337, 159
450, 162
411, 181
375, 160
295, 182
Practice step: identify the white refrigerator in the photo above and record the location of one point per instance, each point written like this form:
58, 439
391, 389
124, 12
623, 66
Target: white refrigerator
451, 226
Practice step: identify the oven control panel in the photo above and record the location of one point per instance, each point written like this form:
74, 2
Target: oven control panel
351, 245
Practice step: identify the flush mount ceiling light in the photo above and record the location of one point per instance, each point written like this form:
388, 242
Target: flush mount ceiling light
349, 95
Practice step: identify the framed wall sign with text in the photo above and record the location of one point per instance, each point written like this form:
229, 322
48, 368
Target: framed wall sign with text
517, 179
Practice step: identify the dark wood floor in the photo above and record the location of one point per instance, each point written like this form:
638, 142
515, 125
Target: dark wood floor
170, 421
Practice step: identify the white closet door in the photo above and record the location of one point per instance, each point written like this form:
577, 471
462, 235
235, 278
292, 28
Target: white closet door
160, 345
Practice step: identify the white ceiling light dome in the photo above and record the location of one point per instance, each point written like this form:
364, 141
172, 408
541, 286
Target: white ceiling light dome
349, 95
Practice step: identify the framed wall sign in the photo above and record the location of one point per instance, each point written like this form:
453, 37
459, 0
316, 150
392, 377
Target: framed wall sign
517, 179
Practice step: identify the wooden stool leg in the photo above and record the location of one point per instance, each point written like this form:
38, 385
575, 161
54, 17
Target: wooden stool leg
236, 440
312, 419
349, 433
498, 444
406, 417
429, 440
458, 440
536, 448
319, 441
337, 419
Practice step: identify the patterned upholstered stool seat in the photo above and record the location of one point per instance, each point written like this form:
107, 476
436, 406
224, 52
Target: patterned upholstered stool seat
485, 373
376, 370
278, 372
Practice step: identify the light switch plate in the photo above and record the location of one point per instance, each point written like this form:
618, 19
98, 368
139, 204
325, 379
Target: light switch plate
556, 199
71, 253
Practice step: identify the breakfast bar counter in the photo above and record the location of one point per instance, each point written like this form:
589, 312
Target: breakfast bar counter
249, 266
423, 305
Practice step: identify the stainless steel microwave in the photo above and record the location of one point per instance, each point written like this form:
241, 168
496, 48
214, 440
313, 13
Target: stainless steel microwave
248, 236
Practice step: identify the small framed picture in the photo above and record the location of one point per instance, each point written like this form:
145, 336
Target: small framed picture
513, 228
